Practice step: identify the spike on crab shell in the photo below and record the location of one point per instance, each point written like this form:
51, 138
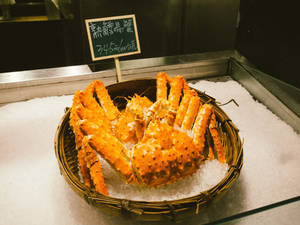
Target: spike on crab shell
181, 167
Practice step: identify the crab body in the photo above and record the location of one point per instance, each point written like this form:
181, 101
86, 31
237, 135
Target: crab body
148, 143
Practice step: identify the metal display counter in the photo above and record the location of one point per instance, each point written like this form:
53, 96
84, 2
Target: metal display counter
248, 201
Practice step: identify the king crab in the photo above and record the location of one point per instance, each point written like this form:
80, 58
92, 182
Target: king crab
150, 144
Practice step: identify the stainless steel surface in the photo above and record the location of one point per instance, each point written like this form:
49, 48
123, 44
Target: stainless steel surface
19, 86
72, 71
264, 180
7, 80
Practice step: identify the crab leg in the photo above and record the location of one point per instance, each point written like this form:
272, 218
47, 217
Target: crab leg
94, 116
217, 141
210, 144
94, 113
176, 86
161, 85
200, 126
175, 92
191, 113
87, 97
110, 109
90, 103
84, 170
80, 155
183, 107
109, 147
103, 116
73, 115
93, 163
79, 112
90, 109
74, 118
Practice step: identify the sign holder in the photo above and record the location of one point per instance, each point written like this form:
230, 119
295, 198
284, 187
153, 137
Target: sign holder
113, 37
118, 69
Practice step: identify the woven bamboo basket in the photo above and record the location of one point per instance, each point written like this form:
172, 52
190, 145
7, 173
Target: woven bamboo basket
175, 210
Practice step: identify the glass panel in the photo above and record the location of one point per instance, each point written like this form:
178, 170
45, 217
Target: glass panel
286, 214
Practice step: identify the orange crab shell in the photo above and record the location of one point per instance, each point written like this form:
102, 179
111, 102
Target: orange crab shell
164, 160
167, 154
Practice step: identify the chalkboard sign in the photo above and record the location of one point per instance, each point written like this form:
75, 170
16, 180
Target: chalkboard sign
112, 37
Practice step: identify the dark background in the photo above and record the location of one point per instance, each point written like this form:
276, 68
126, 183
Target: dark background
265, 32
268, 35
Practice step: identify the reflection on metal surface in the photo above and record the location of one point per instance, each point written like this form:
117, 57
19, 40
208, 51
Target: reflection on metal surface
43, 74
19, 86
204, 59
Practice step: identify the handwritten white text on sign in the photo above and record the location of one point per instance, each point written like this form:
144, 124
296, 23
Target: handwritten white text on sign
108, 28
